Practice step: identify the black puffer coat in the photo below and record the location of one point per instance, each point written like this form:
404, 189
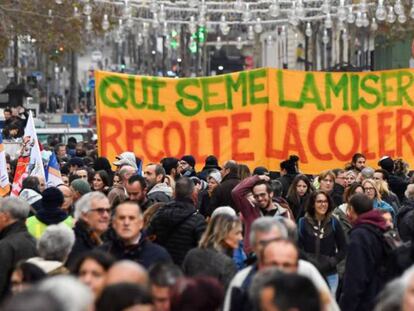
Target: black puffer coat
16, 244
177, 227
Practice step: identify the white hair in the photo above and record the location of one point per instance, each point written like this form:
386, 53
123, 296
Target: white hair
17, 208
56, 242
84, 204
71, 294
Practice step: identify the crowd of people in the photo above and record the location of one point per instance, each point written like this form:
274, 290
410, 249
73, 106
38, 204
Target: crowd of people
164, 237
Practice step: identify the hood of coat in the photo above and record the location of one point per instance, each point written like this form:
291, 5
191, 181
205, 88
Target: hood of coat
162, 187
373, 217
46, 265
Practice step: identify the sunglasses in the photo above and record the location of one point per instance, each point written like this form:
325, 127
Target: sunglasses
101, 210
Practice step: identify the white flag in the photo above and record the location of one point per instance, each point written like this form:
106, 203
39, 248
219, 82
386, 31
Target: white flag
36, 167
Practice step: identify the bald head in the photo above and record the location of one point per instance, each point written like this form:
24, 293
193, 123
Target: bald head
127, 271
68, 197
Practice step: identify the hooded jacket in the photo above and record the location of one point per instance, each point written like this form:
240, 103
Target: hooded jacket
177, 227
362, 280
160, 193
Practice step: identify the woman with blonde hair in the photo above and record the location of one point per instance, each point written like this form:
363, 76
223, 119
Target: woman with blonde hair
371, 190
213, 256
387, 195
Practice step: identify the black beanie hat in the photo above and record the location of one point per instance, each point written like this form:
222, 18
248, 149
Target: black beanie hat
387, 164
52, 197
189, 159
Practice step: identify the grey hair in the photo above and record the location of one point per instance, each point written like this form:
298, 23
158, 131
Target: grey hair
368, 172
17, 208
409, 192
265, 224
84, 204
56, 242
390, 298
291, 228
71, 294
407, 276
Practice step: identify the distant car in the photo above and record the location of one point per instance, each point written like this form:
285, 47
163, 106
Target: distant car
61, 135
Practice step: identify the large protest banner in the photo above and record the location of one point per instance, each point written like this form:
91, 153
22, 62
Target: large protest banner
259, 117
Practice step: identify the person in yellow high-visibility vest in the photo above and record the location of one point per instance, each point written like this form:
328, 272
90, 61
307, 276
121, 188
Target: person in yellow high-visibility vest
50, 213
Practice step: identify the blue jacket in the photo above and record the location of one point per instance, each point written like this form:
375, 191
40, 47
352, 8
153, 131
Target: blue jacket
384, 206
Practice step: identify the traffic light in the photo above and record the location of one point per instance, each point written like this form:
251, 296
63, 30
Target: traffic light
123, 66
174, 39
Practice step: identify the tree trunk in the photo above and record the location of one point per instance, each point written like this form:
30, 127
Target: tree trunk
16, 59
73, 96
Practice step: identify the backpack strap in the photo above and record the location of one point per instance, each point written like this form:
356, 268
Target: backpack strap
333, 223
301, 226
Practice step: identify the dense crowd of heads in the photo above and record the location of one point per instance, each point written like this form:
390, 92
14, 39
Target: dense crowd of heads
165, 236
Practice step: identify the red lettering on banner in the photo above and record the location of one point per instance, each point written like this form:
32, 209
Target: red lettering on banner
146, 139
404, 132
364, 139
353, 125
292, 130
269, 151
238, 134
132, 134
216, 124
107, 139
194, 141
312, 135
174, 126
384, 131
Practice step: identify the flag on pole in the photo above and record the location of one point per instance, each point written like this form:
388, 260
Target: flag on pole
53, 177
30, 161
4, 177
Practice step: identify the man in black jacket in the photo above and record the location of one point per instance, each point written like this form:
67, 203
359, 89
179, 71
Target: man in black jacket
15, 241
362, 278
130, 243
221, 196
178, 226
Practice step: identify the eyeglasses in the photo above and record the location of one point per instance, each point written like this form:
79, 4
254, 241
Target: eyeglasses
321, 201
101, 210
260, 195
